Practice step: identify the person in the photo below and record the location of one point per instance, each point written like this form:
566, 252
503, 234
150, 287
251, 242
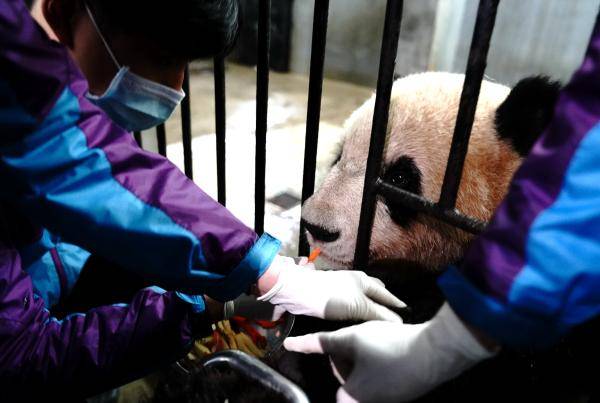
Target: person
528, 280
75, 182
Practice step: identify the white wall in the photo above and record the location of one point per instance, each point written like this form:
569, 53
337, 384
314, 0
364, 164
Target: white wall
354, 38
530, 37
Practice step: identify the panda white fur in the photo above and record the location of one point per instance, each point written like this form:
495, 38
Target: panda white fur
421, 122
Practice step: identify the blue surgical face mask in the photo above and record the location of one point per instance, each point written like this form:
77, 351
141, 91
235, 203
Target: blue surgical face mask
134, 102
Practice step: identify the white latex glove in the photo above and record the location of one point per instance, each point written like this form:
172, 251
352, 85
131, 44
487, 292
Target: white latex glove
341, 295
249, 307
394, 362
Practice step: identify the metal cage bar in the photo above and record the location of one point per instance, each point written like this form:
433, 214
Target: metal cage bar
137, 135
219, 77
262, 104
422, 205
186, 127
374, 185
161, 139
313, 114
480, 44
387, 63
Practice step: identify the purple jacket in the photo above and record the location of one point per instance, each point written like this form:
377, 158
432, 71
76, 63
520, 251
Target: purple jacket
66, 167
534, 273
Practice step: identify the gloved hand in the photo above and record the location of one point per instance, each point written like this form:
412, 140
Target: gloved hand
249, 307
341, 295
394, 362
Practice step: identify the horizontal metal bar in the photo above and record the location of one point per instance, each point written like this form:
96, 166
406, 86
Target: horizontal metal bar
186, 127
480, 44
262, 104
423, 205
313, 114
219, 78
387, 63
161, 139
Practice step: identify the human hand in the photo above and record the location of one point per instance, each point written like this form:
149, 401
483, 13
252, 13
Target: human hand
339, 295
395, 362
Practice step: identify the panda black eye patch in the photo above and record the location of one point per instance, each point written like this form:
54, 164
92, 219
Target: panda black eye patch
404, 174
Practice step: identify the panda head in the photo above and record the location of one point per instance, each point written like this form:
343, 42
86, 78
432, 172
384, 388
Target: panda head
421, 123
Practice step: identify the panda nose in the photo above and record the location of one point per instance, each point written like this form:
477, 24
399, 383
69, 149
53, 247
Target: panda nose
320, 233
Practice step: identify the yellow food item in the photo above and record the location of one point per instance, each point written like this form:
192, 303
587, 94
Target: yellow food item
200, 349
224, 338
246, 345
228, 333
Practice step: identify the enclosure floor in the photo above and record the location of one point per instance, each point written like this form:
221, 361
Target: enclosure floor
285, 140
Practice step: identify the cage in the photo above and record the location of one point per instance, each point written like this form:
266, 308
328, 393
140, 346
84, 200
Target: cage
443, 209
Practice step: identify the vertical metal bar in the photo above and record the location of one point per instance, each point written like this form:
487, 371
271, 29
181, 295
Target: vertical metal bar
137, 135
387, 62
219, 76
186, 127
161, 139
482, 34
313, 115
262, 101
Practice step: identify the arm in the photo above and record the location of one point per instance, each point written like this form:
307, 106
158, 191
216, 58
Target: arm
535, 268
84, 353
84, 178
76, 173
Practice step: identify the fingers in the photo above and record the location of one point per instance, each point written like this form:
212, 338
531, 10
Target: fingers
341, 367
277, 313
376, 290
321, 343
343, 397
375, 311
335, 343
336, 371
378, 281
307, 344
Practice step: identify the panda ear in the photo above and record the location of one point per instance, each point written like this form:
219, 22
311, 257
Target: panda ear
526, 112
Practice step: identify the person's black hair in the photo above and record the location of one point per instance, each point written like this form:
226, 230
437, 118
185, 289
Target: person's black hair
181, 29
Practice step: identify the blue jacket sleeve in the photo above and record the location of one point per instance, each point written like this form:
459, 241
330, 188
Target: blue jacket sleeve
534, 274
66, 165
82, 354
54, 266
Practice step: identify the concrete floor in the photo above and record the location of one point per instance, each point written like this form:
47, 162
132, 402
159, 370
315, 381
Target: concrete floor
285, 140
288, 90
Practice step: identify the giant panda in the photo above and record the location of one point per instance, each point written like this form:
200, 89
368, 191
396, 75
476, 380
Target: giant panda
421, 122
408, 250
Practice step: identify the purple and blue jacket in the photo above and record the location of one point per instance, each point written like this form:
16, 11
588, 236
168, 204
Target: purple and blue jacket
534, 274
72, 182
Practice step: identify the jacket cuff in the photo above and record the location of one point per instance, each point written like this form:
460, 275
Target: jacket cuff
196, 301
248, 271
